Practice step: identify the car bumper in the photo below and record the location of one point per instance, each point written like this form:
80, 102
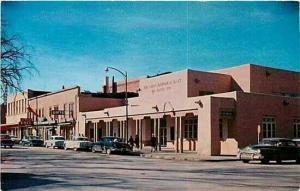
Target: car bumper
250, 156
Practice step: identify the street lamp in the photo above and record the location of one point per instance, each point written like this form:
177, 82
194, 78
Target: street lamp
124, 74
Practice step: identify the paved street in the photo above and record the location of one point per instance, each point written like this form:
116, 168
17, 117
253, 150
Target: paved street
52, 169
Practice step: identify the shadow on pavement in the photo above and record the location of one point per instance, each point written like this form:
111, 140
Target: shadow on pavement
10, 181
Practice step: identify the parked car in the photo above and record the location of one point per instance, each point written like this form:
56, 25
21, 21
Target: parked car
15, 139
111, 145
297, 141
268, 149
32, 141
55, 142
6, 141
78, 143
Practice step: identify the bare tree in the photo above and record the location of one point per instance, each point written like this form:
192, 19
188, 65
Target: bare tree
15, 63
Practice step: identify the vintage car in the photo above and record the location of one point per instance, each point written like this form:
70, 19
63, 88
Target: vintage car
15, 139
78, 143
6, 141
55, 142
276, 149
111, 145
32, 141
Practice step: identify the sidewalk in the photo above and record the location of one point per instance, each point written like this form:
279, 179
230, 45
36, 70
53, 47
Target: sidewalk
186, 156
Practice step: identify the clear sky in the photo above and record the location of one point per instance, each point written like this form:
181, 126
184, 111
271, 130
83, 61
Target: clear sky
73, 42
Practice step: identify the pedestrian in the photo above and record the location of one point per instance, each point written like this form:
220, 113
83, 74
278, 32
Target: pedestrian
130, 141
137, 141
153, 143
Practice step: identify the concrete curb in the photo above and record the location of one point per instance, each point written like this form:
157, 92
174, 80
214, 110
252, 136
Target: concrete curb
182, 158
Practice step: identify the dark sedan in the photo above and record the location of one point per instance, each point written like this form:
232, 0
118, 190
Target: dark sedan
276, 149
110, 145
6, 141
32, 141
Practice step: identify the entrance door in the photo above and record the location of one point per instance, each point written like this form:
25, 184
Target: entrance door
163, 136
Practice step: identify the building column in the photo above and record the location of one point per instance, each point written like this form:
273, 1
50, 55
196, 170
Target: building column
176, 135
124, 130
121, 129
140, 133
97, 132
107, 129
95, 127
158, 137
136, 127
180, 135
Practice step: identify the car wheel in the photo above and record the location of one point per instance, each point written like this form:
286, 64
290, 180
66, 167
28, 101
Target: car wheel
245, 161
265, 161
108, 151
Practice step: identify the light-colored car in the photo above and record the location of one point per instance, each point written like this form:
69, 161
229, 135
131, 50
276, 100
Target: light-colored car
55, 142
78, 143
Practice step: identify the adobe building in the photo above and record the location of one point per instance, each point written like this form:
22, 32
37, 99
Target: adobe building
54, 113
58, 112
211, 113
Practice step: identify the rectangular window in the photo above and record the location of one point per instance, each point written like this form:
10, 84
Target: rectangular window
296, 125
14, 108
221, 128
55, 108
17, 107
203, 93
71, 110
191, 128
7, 109
65, 110
268, 127
50, 115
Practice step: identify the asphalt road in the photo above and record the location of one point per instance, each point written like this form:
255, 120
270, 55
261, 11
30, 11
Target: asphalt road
53, 169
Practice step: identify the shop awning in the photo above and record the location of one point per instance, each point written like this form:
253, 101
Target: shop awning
5, 127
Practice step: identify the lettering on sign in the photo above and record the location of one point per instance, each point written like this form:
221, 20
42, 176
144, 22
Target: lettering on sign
57, 112
25, 121
162, 86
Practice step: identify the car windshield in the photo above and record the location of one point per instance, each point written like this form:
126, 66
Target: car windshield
81, 139
268, 142
34, 137
114, 139
5, 137
59, 138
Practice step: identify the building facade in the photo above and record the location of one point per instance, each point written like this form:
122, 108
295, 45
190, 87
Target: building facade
211, 113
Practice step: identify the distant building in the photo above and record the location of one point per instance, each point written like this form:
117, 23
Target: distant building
212, 113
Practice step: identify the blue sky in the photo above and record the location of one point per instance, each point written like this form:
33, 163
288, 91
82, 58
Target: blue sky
73, 42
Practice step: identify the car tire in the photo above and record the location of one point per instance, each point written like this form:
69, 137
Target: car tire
245, 161
108, 151
265, 161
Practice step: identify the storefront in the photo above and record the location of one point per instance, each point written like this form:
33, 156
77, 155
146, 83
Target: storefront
206, 112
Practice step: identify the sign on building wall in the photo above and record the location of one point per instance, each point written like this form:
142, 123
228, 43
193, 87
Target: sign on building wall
57, 112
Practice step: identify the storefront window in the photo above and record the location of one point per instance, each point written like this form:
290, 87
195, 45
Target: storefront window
71, 110
190, 128
296, 126
268, 127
